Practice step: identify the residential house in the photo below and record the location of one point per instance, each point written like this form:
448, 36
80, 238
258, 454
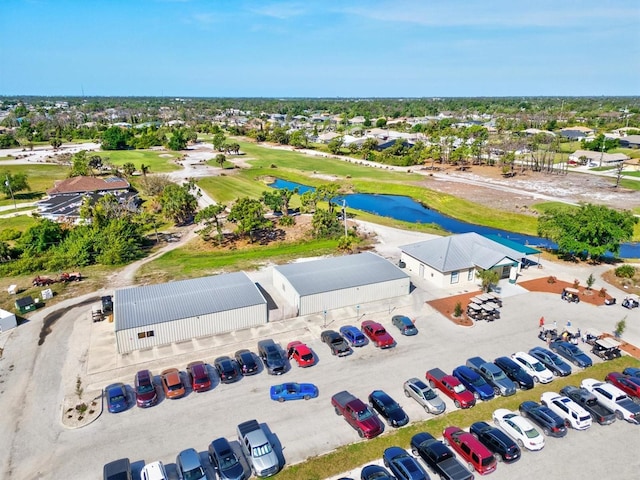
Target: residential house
595, 159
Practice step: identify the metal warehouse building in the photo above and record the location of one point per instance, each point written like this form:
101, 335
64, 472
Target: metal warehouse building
338, 282
173, 312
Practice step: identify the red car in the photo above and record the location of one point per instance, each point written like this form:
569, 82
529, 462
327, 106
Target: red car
198, 376
629, 385
377, 334
470, 448
301, 354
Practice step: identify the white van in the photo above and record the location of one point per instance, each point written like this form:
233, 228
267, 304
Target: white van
533, 367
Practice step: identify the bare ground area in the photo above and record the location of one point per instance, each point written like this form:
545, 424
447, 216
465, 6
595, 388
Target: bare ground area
486, 185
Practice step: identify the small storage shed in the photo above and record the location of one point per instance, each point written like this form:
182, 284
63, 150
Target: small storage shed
25, 304
173, 312
7, 320
338, 282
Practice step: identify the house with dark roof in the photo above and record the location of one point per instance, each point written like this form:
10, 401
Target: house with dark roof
453, 261
630, 141
64, 200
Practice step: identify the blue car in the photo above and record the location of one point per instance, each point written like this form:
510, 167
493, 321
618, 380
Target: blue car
293, 391
571, 353
375, 472
405, 325
515, 372
353, 335
403, 465
116, 398
474, 383
550, 360
632, 371
551, 423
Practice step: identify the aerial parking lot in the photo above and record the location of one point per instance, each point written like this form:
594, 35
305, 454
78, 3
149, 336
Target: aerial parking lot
298, 429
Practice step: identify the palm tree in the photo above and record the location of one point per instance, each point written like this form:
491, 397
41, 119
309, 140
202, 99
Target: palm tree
144, 169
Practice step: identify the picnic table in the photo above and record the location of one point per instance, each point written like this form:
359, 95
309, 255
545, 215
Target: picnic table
476, 300
490, 306
474, 306
485, 297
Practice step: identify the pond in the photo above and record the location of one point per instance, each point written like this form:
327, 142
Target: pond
408, 210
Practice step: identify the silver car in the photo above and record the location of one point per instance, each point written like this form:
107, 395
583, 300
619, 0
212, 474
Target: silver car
424, 395
189, 466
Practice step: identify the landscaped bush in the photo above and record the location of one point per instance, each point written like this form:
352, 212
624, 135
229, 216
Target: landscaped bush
625, 271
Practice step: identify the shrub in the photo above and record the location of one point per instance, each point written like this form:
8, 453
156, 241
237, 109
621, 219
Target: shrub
287, 221
551, 279
576, 283
603, 292
625, 271
620, 327
457, 311
10, 234
590, 281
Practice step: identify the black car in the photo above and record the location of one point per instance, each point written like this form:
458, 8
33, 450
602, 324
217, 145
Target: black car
246, 362
272, 356
117, 470
438, 457
551, 423
375, 472
388, 408
553, 362
571, 352
497, 441
336, 342
227, 369
225, 461
515, 372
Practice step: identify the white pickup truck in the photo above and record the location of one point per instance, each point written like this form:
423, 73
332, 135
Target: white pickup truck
613, 398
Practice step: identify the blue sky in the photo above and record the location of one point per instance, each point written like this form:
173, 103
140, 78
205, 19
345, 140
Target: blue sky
341, 48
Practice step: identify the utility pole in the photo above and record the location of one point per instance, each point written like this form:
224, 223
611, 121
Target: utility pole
602, 149
8, 184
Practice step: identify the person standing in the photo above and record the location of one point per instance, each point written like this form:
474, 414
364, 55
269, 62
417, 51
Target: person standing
541, 323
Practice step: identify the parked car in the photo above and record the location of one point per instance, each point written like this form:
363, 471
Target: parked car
272, 357
354, 336
502, 445
474, 383
357, 414
153, 471
172, 383
573, 414
377, 334
632, 371
451, 387
405, 325
553, 362
551, 423
518, 428
257, 448
629, 385
116, 395
533, 367
224, 460
145, 389
571, 353
117, 470
199, 376
227, 368
613, 398
493, 375
293, 391
515, 372
189, 466
301, 353
246, 362
587, 400
478, 456
337, 344
403, 465
424, 395
375, 472
438, 457
388, 408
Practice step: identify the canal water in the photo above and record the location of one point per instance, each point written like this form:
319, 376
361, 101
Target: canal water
408, 210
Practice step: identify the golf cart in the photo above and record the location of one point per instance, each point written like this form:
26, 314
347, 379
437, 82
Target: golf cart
606, 348
571, 295
548, 334
630, 302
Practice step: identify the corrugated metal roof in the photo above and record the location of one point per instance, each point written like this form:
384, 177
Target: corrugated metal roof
459, 252
148, 305
338, 273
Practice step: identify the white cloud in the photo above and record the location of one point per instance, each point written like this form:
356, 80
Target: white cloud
281, 11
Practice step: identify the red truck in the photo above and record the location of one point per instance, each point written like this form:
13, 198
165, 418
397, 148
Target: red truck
357, 414
451, 387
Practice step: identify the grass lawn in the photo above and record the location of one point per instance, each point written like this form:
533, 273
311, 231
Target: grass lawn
630, 184
19, 222
198, 259
352, 456
157, 161
40, 178
635, 173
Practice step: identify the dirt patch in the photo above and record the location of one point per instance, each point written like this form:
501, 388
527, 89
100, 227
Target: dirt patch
629, 285
553, 285
78, 412
53, 317
447, 306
